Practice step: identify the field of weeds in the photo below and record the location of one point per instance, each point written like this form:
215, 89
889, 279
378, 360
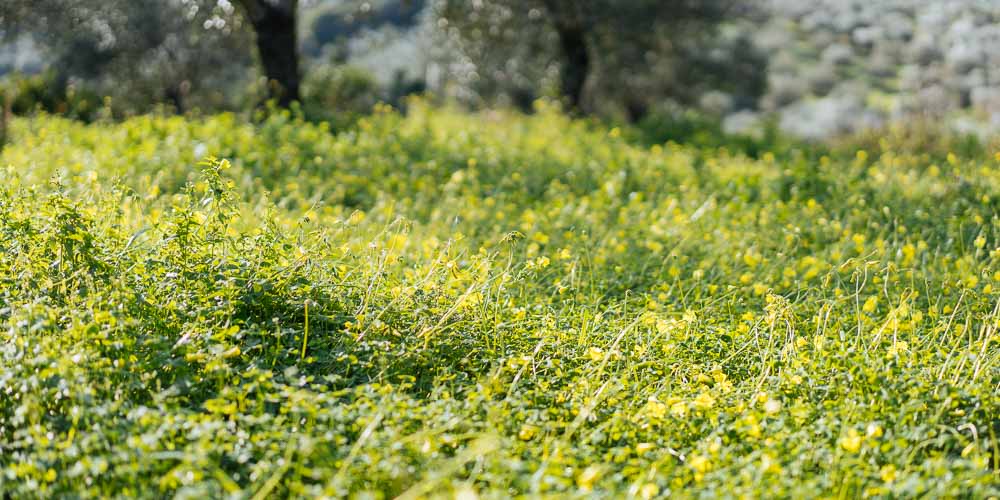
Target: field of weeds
443, 304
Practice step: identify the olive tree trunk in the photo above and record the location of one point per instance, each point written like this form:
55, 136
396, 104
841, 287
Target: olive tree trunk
274, 25
576, 65
570, 23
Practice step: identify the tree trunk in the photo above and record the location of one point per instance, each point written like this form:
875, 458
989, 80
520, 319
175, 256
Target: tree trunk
177, 96
570, 20
635, 109
576, 65
274, 24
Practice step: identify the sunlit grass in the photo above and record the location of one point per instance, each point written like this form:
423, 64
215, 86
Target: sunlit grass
495, 305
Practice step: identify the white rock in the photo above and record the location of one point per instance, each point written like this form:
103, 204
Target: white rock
822, 118
985, 98
743, 123
838, 54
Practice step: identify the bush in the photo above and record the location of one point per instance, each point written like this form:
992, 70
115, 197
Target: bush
339, 94
45, 92
705, 131
917, 136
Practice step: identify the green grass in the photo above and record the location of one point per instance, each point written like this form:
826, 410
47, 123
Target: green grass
444, 304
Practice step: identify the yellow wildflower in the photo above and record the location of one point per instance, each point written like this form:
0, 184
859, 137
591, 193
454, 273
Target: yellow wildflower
527, 432
870, 305
888, 473
851, 442
585, 481
704, 401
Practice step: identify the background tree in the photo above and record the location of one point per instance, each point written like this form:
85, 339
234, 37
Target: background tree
620, 50
274, 24
168, 50
188, 53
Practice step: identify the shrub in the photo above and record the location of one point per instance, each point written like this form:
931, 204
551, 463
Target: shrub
339, 94
705, 131
45, 92
916, 136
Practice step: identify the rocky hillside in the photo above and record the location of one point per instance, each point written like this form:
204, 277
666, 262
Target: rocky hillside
837, 66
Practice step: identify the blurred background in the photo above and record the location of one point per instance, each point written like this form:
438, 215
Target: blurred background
810, 69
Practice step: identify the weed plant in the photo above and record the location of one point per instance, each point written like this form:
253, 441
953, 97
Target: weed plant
489, 305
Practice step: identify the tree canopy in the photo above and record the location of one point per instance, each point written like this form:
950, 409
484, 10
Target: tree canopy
588, 52
179, 51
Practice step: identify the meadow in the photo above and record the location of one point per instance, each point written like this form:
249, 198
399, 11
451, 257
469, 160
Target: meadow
444, 304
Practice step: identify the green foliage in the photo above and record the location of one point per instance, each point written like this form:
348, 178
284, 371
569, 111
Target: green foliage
45, 93
5, 115
617, 57
919, 136
187, 54
339, 94
443, 304
704, 131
